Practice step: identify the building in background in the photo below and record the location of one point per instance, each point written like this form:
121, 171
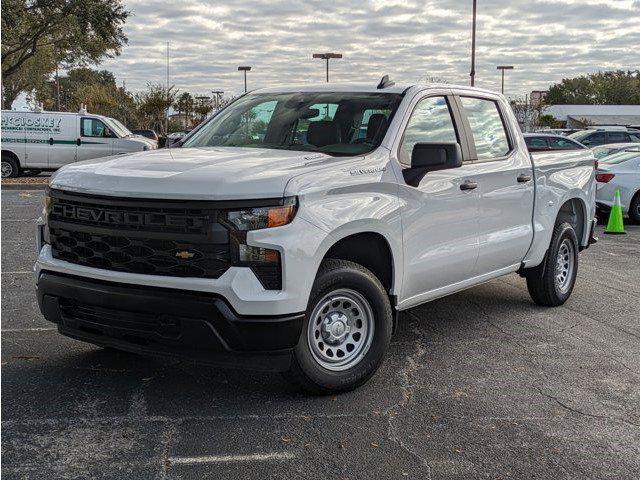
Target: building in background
537, 97
581, 116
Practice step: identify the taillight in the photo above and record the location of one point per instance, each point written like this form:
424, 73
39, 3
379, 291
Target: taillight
604, 177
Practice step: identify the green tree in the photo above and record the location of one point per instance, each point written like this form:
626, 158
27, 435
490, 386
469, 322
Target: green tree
75, 32
152, 106
602, 88
33, 75
185, 105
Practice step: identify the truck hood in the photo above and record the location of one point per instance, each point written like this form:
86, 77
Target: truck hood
211, 173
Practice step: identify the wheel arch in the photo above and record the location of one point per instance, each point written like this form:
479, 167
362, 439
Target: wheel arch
369, 249
574, 212
12, 155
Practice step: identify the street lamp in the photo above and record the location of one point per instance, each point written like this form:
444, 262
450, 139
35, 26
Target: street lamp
244, 69
503, 68
327, 56
473, 46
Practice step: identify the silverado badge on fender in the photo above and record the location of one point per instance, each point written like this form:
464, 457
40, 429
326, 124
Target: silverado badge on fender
185, 255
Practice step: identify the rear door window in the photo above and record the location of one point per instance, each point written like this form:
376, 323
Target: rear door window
557, 143
489, 133
617, 137
597, 138
536, 143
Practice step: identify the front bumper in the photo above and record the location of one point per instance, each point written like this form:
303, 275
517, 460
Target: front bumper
168, 322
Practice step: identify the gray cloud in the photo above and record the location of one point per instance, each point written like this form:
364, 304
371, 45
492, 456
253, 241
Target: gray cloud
546, 40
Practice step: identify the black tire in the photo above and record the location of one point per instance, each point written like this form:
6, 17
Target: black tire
634, 209
10, 167
306, 370
544, 286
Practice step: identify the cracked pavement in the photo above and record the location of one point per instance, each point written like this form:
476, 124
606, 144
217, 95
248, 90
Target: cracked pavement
481, 384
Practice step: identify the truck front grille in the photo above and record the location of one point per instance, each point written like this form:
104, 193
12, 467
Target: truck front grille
175, 238
151, 256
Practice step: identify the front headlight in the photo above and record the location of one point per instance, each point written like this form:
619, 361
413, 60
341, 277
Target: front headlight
257, 218
265, 262
46, 210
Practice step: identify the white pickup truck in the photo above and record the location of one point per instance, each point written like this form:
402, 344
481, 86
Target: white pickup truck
289, 231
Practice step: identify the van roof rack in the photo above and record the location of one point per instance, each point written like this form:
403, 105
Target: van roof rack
385, 82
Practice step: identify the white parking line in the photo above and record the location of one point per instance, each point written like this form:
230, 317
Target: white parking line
20, 330
255, 457
19, 272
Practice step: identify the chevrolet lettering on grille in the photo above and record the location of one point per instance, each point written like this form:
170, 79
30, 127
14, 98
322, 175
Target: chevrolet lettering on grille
116, 217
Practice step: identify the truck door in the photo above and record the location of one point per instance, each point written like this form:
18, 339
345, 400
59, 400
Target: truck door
63, 141
95, 139
440, 216
504, 175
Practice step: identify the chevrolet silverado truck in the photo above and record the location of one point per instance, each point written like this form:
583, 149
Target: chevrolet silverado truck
288, 232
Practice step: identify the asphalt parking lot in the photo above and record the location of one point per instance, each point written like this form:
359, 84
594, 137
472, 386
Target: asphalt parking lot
482, 384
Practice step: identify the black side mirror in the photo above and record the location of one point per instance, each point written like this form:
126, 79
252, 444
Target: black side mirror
436, 156
428, 157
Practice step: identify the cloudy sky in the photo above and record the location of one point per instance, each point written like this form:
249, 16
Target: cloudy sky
545, 40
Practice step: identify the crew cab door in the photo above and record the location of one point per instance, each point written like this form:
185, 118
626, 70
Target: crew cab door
504, 174
440, 211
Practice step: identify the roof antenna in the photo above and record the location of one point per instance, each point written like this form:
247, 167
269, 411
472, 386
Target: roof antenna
385, 82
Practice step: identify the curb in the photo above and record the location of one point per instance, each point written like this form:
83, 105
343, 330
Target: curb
24, 186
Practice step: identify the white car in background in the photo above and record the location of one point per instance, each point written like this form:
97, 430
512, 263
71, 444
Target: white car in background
605, 150
620, 171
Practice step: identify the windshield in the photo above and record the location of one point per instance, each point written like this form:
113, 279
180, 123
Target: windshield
620, 157
118, 127
335, 123
581, 135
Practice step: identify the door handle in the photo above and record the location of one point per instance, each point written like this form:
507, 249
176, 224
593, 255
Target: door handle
50, 140
78, 142
468, 185
523, 178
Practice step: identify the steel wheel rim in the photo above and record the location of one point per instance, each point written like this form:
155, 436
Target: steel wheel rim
6, 169
340, 330
565, 264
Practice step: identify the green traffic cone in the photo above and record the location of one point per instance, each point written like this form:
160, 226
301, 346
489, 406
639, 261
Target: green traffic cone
615, 224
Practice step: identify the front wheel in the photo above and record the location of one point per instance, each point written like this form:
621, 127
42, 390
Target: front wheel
550, 284
346, 331
10, 168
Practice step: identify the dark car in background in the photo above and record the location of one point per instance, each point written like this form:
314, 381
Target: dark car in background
148, 133
541, 142
603, 136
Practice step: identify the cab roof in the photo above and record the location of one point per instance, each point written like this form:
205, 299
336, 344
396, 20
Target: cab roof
363, 88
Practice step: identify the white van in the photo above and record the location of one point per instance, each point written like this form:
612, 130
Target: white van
48, 140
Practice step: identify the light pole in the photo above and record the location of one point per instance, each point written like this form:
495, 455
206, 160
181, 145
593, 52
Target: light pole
503, 68
473, 46
218, 97
327, 56
244, 69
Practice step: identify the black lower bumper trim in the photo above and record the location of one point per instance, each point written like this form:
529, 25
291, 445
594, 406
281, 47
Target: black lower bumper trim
161, 321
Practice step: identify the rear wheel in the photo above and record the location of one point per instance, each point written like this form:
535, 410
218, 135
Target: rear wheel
346, 331
550, 284
634, 208
9, 166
